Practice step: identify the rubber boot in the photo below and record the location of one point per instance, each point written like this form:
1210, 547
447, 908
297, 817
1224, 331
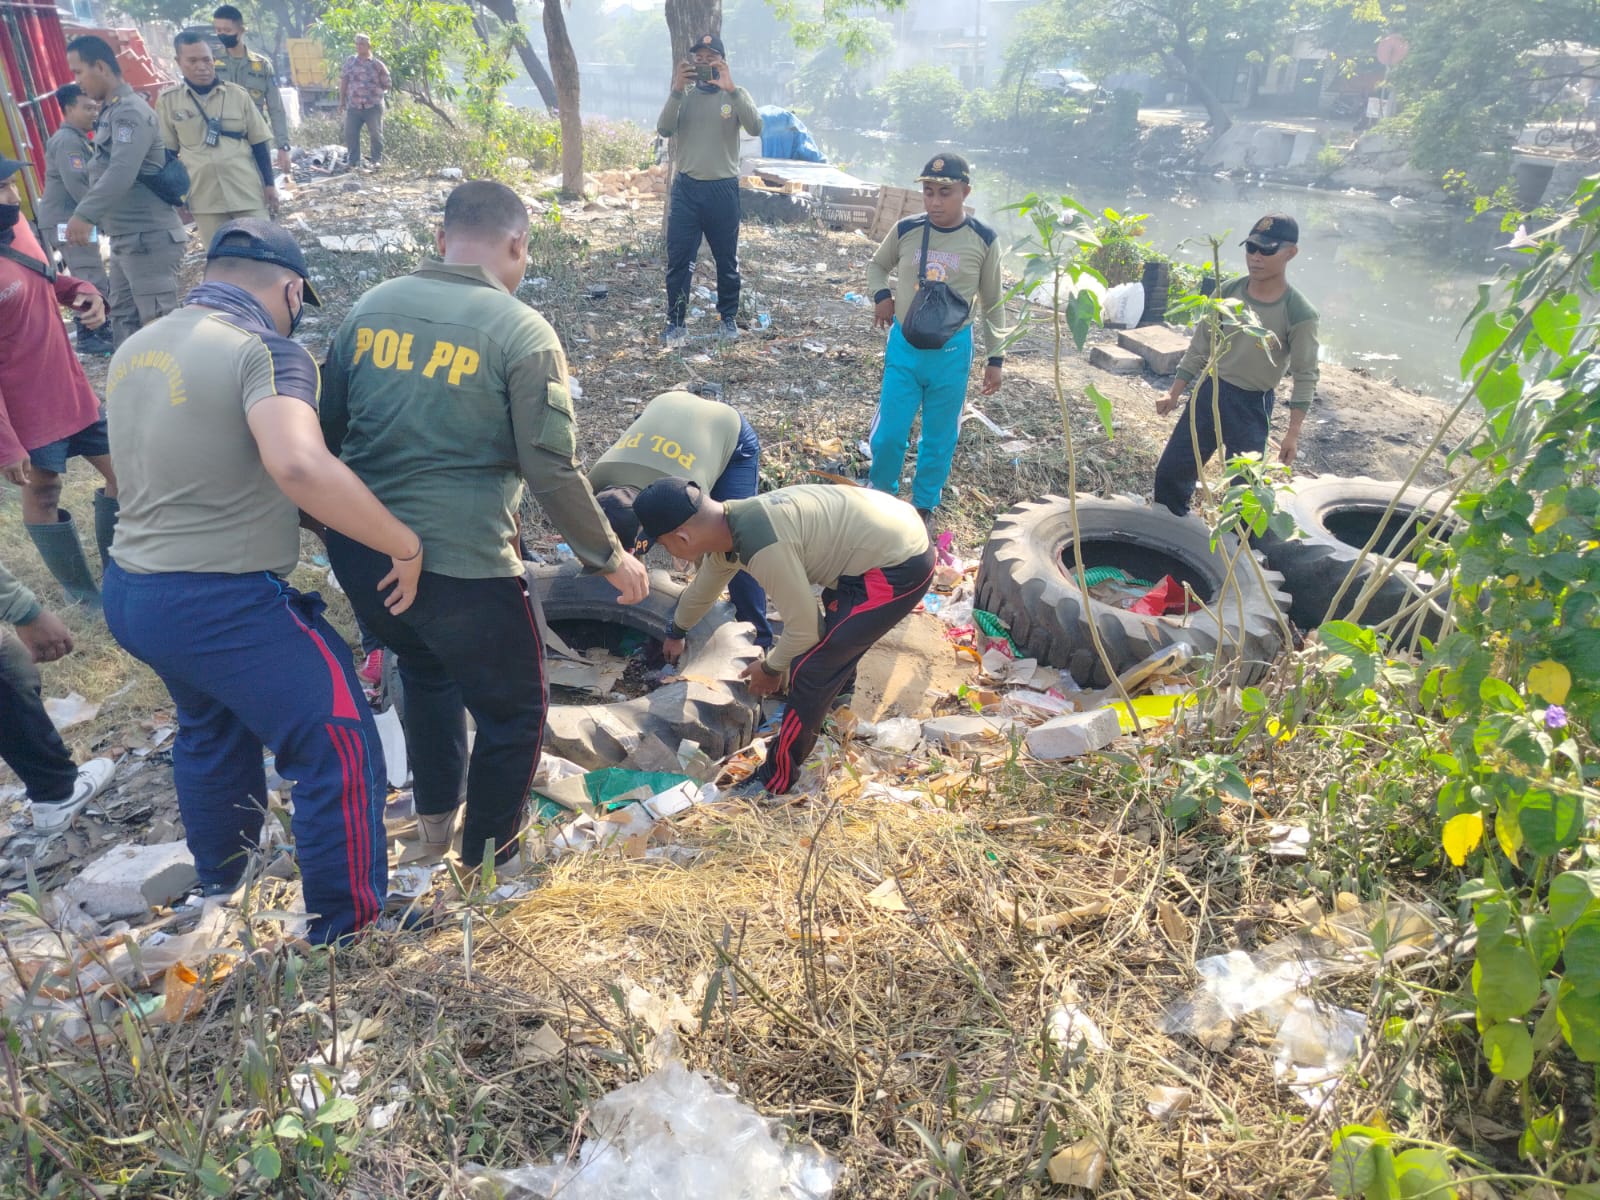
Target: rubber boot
106, 509
436, 833
63, 554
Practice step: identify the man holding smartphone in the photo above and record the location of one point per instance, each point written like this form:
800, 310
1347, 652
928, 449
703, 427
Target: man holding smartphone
704, 114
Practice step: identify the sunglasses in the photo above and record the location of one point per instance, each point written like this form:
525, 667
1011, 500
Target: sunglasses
1263, 250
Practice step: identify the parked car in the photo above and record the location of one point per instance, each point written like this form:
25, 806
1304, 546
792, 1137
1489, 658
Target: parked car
1063, 79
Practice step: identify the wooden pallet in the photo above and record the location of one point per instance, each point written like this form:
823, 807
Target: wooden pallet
895, 205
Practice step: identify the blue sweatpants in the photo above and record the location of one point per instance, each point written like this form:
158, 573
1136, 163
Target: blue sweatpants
251, 661
739, 481
934, 381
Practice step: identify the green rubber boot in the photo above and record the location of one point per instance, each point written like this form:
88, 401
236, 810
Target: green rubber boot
63, 554
105, 524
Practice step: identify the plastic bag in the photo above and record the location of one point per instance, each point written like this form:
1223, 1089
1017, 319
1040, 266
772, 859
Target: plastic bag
1124, 305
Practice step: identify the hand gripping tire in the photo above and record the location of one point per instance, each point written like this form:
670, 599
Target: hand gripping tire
1336, 516
1025, 578
709, 704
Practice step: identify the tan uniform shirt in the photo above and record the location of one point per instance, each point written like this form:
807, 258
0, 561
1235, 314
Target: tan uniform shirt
798, 538
223, 177
967, 258
678, 433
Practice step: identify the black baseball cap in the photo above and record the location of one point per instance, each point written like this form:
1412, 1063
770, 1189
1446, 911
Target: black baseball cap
262, 241
9, 167
946, 168
666, 504
1273, 230
709, 41
617, 505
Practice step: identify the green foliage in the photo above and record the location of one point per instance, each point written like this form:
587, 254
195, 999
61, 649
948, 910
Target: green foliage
1204, 783
924, 99
1329, 159
833, 82
415, 38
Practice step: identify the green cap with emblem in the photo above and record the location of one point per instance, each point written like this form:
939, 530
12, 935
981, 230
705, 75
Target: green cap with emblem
946, 168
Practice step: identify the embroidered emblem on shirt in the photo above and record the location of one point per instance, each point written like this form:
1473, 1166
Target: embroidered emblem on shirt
75, 161
727, 111
124, 133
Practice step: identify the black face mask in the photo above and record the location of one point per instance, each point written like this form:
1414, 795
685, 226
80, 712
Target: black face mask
10, 214
299, 313
228, 40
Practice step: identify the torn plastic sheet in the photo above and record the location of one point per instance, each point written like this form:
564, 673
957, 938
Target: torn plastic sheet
673, 1133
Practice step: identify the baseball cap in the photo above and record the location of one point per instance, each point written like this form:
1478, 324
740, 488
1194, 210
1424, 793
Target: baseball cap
1274, 230
946, 168
9, 167
262, 241
665, 505
709, 41
617, 505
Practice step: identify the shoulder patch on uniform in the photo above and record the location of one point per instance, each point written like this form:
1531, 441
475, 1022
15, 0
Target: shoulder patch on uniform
978, 227
75, 161
906, 224
122, 131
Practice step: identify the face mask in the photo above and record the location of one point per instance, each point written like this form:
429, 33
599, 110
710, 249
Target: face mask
294, 317
228, 40
10, 214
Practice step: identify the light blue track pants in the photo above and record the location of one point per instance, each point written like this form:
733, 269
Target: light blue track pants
934, 381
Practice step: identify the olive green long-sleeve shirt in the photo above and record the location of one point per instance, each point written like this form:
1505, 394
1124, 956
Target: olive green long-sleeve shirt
253, 72
705, 127
798, 538
966, 258
444, 392
1258, 364
678, 433
18, 605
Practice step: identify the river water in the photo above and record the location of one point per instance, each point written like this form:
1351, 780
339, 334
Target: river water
1392, 284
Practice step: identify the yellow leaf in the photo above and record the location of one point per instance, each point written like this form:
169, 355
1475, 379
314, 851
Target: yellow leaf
1508, 832
1462, 833
1550, 681
1549, 513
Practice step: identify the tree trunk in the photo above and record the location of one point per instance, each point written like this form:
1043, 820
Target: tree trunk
686, 20
1217, 116
505, 11
564, 65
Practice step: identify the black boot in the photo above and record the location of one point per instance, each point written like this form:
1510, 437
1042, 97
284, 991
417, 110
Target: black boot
62, 553
105, 524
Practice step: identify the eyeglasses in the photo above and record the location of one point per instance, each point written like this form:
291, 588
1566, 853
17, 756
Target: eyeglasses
1258, 248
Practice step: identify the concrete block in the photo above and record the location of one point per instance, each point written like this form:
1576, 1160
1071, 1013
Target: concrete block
1116, 360
128, 881
1161, 346
968, 732
1074, 734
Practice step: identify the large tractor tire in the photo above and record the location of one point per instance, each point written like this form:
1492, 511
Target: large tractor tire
1026, 579
709, 704
1336, 517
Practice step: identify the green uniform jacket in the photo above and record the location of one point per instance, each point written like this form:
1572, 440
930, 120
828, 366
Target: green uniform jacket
798, 538
1258, 364
66, 175
705, 128
17, 604
443, 392
222, 178
127, 143
253, 72
678, 433
967, 258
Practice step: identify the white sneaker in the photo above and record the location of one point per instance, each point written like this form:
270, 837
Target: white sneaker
93, 778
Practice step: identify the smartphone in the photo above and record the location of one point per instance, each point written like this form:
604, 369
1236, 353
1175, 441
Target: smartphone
61, 235
704, 72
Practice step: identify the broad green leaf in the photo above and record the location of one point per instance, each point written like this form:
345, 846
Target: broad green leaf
289, 1127
1543, 940
1508, 827
1486, 337
1550, 821
267, 1161
1505, 980
1424, 1175
1499, 389
1556, 321
1102, 407
1462, 833
1579, 1017
1572, 894
1500, 695
1253, 700
1346, 637
1509, 1051
1581, 957
1550, 681
336, 1110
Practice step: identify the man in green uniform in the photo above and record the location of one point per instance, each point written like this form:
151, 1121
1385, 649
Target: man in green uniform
444, 394
679, 433
221, 138
66, 180
1248, 368
253, 72
703, 116
868, 552
146, 236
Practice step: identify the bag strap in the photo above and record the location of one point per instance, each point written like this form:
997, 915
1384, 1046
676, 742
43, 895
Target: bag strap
922, 267
33, 264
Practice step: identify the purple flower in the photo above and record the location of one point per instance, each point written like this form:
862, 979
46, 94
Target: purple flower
1555, 717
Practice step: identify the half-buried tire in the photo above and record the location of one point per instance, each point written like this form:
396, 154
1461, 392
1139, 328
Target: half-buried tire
708, 704
1025, 578
1337, 517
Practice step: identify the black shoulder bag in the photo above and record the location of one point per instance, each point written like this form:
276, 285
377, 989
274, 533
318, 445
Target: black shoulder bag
46, 269
170, 182
937, 311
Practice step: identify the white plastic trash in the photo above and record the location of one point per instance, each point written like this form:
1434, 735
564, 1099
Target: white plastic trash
1124, 305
